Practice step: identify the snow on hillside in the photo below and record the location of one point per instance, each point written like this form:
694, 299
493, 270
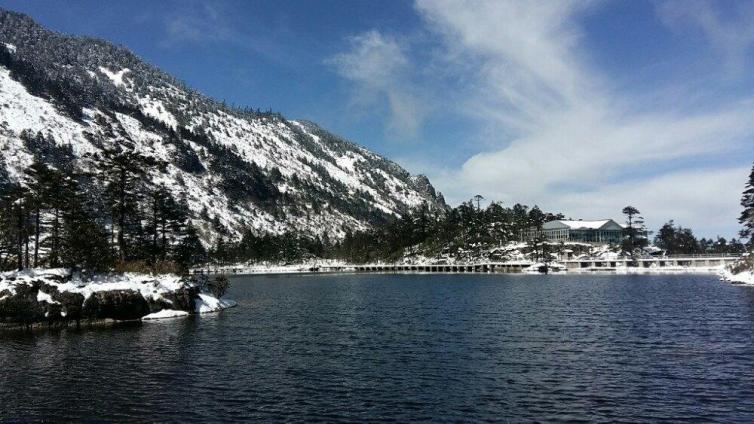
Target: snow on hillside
115, 77
237, 169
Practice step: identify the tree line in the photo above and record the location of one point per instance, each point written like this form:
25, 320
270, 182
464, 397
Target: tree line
113, 216
100, 220
676, 239
468, 230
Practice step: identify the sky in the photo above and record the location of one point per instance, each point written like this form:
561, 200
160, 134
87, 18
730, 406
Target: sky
580, 107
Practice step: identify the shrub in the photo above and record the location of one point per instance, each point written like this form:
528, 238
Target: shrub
143, 267
132, 266
745, 264
219, 286
166, 267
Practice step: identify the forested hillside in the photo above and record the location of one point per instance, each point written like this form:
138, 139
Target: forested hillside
100, 150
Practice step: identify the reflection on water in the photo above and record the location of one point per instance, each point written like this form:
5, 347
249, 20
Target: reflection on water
407, 347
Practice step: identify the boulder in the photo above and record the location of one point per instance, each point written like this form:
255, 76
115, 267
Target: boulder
22, 307
72, 304
182, 299
115, 304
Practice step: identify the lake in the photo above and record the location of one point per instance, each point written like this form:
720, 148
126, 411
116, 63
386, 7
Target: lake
382, 347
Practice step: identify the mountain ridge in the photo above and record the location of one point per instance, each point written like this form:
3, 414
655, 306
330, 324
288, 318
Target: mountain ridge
238, 169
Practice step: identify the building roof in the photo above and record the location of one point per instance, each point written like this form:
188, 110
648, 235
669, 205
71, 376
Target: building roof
601, 224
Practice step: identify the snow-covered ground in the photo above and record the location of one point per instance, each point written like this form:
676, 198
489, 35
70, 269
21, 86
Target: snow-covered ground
206, 303
513, 253
745, 277
273, 268
533, 267
159, 291
150, 286
165, 313
741, 272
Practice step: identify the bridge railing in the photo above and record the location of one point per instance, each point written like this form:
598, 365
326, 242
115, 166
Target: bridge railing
658, 258
701, 255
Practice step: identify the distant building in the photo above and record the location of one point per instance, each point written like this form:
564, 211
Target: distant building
601, 231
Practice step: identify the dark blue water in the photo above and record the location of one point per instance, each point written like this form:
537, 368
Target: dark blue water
407, 348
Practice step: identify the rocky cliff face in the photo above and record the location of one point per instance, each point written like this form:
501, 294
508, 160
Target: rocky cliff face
65, 100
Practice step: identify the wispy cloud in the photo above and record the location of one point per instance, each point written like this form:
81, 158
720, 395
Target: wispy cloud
195, 23
379, 68
565, 138
732, 38
515, 82
218, 24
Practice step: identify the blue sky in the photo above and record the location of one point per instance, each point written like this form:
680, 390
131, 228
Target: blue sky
578, 106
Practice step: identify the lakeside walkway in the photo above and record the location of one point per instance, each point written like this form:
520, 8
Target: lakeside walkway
677, 263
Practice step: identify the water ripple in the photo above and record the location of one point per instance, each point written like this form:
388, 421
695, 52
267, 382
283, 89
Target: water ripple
382, 348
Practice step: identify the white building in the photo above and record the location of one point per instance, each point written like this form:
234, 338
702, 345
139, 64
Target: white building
599, 231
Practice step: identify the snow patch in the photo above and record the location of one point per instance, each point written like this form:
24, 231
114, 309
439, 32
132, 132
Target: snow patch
21, 110
115, 77
745, 277
44, 297
10, 47
149, 286
156, 109
206, 303
165, 313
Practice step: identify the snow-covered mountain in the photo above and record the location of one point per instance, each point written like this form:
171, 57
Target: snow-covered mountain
237, 169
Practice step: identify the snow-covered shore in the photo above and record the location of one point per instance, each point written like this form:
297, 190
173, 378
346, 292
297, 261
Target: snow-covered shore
55, 296
741, 272
625, 270
745, 277
510, 257
524, 265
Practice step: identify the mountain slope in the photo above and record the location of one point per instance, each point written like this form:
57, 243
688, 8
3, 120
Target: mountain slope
66, 100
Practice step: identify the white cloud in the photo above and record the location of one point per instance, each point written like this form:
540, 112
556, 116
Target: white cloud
705, 200
379, 68
373, 59
196, 22
732, 38
571, 134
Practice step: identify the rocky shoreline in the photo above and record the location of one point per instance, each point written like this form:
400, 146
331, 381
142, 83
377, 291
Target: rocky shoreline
56, 298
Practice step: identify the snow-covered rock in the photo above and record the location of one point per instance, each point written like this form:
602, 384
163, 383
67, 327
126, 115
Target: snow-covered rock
56, 296
206, 303
742, 272
743, 277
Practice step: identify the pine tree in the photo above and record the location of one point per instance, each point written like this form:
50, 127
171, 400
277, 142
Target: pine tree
123, 173
13, 225
747, 215
84, 242
61, 188
17, 224
478, 199
536, 221
43, 185
635, 230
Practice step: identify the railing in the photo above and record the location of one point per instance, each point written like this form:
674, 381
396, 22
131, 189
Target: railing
723, 257
701, 255
334, 267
